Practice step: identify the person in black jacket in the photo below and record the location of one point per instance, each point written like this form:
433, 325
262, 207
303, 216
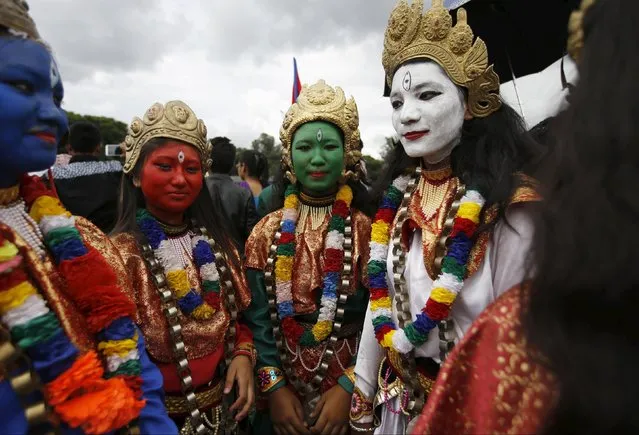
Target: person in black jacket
89, 185
237, 203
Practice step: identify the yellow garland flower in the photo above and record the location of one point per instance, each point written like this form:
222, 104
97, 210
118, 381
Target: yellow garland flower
179, 282
380, 232
322, 329
345, 194
470, 211
15, 296
443, 296
291, 201
118, 347
8, 251
384, 302
203, 312
47, 206
284, 268
387, 341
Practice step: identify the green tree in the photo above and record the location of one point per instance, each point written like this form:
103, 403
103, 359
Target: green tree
265, 144
112, 130
388, 146
373, 167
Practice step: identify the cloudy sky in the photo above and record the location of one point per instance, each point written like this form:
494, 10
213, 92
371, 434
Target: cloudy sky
232, 62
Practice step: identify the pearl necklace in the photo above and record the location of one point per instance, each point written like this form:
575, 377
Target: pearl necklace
182, 247
14, 214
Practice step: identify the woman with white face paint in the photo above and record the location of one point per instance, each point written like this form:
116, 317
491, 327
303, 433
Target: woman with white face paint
453, 228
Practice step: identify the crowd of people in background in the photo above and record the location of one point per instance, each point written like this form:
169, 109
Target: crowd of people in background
484, 283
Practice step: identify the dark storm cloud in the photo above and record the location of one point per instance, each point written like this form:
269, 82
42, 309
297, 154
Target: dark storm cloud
259, 29
116, 35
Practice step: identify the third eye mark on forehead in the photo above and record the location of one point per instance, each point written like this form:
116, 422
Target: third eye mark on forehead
407, 81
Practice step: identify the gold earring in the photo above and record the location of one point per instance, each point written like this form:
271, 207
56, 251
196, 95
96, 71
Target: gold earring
291, 177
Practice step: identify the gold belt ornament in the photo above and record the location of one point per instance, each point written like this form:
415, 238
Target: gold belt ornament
205, 399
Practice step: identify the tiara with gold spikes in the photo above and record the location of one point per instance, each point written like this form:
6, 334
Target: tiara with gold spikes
175, 120
411, 35
14, 16
321, 102
576, 29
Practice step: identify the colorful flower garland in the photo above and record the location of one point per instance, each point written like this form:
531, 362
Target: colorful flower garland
75, 384
190, 302
444, 289
333, 264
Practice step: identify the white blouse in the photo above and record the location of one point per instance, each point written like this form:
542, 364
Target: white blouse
503, 266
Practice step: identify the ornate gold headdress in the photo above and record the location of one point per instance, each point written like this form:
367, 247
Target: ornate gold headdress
321, 102
410, 35
175, 120
576, 29
14, 16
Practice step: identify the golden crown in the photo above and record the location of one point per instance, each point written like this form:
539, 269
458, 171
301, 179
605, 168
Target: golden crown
175, 120
576, 29
14, 16
321, 102
411, 35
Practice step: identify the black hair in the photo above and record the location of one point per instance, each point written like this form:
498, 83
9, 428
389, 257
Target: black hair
492, 154
256, 164
223, 155
204, 209
84, 137
582, 311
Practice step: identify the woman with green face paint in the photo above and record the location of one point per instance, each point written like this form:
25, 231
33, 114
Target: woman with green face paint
305, 266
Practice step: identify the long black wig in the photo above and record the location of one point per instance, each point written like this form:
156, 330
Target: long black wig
584, 297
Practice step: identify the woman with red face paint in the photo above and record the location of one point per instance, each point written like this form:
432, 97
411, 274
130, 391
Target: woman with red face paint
186, 275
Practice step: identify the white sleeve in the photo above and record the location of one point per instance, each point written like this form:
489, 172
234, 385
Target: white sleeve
369, 356
511, 248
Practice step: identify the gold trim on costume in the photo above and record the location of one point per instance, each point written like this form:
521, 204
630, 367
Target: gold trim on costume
268, 377
394, 359
175, 120
410, 35
9, 194
321, 102
361, 408
205, 399
350, 374
14, 15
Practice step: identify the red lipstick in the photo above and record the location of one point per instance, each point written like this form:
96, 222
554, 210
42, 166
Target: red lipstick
317, 174
415, 135
47, 137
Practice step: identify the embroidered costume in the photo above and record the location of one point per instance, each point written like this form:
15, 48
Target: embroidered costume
430, 274
71, 357
305, 265
188, 292
494, 369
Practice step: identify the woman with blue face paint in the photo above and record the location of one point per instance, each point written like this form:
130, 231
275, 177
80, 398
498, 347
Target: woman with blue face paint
71, 357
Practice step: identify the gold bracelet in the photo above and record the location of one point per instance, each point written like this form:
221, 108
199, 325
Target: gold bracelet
248, 350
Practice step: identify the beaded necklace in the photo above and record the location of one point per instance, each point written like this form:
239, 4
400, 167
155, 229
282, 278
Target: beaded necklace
190, 302
77, 385
444, 289
333, 267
